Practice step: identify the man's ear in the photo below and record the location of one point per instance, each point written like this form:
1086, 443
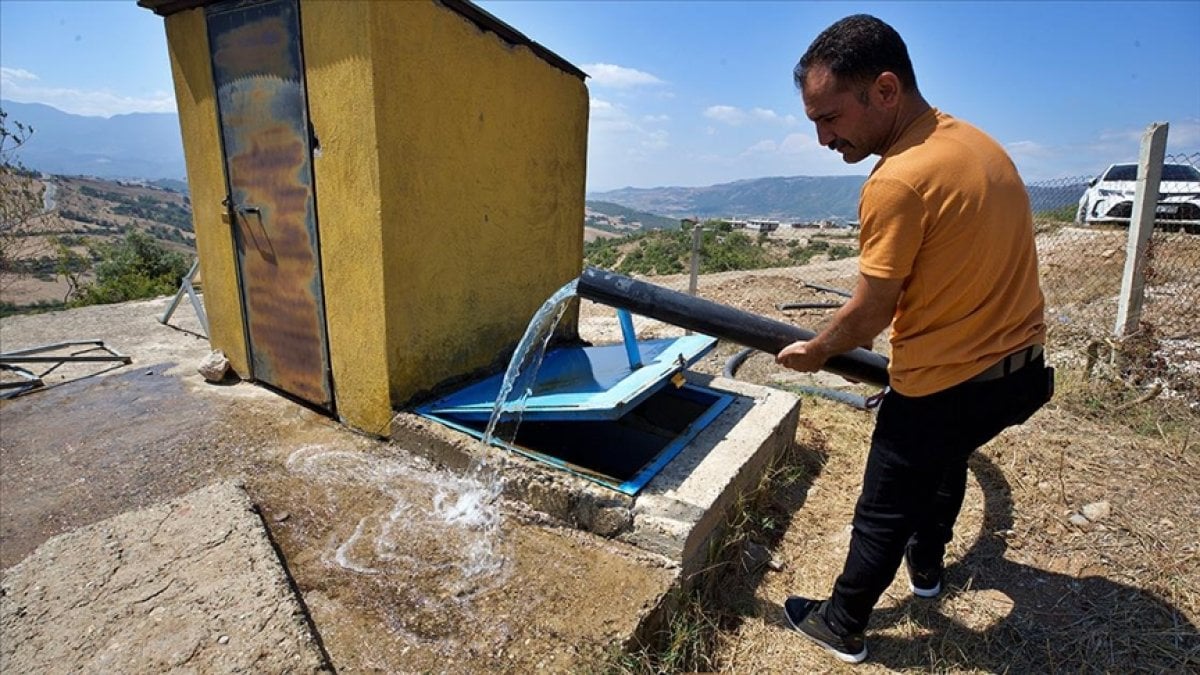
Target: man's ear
887, 89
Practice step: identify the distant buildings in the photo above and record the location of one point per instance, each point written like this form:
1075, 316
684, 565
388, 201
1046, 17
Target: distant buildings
765, 225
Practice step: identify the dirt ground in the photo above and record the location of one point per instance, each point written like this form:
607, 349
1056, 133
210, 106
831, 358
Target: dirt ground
1076, 551
1077, 548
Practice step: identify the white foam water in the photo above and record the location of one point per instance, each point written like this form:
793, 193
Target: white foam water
436, 521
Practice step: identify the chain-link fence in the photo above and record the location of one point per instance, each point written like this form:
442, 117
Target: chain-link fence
1083, 228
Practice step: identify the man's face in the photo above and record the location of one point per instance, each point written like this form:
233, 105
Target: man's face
847, 119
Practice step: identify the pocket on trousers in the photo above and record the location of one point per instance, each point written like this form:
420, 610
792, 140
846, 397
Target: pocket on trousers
1042, 390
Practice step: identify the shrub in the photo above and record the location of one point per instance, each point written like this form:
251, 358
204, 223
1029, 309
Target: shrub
137, 267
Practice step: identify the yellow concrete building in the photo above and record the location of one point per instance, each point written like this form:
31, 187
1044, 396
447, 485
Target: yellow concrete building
383, 193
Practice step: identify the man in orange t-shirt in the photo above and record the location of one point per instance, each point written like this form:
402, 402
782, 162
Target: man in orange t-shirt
948, 261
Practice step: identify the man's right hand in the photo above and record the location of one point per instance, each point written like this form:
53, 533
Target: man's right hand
799, 356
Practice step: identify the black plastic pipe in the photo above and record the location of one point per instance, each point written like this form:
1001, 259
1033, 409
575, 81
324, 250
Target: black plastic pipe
720, 321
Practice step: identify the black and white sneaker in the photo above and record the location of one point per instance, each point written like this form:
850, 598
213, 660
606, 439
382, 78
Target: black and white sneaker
923, 582
808, 618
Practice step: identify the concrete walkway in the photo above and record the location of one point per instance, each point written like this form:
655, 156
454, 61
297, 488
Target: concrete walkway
192, 585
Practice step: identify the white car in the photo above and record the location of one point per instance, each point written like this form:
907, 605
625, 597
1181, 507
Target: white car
1109, 197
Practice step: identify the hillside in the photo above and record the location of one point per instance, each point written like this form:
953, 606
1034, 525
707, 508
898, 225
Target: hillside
87, 213
611, 217
794, 198
149, 146
782, 198
138, 145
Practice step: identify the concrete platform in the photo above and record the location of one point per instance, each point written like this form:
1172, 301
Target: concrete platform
682, 509
191, 585
688, 504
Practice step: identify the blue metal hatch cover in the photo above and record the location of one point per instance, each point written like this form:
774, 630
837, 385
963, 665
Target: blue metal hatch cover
582, 383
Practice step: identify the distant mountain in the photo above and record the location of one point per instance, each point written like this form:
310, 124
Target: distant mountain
782, 198
786, 198
1054, 197
616, 218
138, 145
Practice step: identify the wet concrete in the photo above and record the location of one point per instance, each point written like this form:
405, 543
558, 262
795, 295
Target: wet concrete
403, 565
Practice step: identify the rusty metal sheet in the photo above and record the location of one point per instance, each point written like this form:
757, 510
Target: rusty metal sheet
258, 73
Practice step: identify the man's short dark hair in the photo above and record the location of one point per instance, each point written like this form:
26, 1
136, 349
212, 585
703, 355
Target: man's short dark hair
856, 50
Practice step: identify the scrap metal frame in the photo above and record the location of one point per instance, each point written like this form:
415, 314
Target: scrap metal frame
10, 361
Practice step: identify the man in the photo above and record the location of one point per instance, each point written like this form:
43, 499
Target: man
948, 260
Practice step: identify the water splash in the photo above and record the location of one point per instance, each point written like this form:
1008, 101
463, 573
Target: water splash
450, 515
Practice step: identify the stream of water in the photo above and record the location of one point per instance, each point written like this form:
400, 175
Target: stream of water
526, 359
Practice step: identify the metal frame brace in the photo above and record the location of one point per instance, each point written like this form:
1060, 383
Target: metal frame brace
186, 287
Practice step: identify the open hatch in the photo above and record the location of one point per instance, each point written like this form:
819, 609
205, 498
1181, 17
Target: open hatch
614, 414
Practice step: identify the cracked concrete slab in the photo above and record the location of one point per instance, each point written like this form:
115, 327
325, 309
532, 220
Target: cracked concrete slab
190, 585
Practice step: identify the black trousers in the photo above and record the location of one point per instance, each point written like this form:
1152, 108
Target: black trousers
916, 477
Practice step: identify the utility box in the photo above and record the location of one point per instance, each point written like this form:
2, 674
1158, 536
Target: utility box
383, 193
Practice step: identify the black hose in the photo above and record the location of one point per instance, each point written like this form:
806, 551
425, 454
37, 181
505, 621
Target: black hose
735, 362
721, 321
846, 397
807, 305
827, 289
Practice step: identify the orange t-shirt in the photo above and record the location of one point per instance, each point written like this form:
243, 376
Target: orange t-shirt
946, 211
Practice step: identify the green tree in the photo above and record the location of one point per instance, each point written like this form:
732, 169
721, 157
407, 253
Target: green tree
70, 265
137, 267
20, 203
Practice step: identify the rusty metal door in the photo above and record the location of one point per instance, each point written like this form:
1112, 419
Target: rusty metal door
258, 72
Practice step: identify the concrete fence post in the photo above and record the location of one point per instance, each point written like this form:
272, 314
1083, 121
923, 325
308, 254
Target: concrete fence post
1141, 224
695, 271
692, 282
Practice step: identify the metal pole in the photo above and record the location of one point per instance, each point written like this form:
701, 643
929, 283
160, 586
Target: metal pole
630, 337
1141, 225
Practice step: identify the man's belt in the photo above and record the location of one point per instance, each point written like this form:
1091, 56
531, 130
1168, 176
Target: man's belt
1009, 364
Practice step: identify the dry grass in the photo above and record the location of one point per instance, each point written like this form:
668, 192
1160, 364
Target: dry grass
1032, 586
1028, 590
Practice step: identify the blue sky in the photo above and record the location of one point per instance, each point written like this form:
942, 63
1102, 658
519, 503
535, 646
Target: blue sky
700, 92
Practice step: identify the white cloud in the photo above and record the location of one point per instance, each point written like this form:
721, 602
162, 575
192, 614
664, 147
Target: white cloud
600, 106
1042, 162
801, 144
765, 147
1027, 149
795, 154
613, 125
726, 114
768, 115
24, 86
8, 75
736, 117
656, 119
655, 140
1184, 135
619, 77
